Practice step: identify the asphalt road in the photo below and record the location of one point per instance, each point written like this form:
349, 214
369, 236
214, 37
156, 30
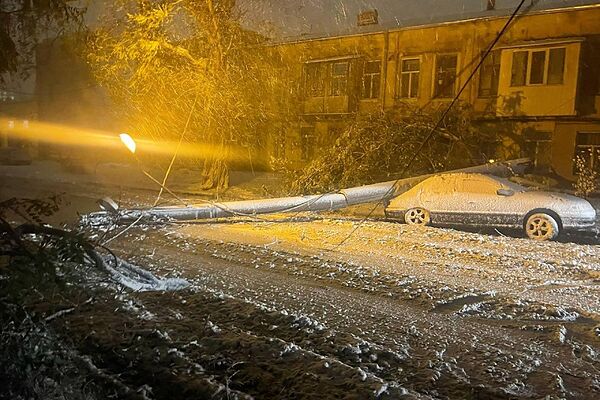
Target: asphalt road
396, 311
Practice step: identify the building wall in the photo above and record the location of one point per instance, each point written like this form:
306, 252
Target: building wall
555, 110
564, 144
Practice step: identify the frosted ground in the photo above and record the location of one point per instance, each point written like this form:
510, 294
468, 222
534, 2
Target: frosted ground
394, 311
275, 309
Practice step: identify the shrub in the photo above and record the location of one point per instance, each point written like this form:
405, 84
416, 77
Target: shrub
379, 146
587, 177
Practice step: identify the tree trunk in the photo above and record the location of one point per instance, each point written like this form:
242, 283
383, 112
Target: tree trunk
215, 174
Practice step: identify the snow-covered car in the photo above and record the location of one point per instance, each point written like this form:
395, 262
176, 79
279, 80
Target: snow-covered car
463, 199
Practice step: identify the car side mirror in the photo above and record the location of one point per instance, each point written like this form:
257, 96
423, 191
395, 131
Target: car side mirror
505, 192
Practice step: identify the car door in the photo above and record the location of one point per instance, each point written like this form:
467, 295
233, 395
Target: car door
438, 198
482, 203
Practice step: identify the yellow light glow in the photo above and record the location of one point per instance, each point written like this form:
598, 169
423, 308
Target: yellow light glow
128, 142
65, 135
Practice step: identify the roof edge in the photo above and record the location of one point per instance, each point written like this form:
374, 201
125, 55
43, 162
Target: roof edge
317, 38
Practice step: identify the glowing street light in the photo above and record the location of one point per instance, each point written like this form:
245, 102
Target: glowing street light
131, 146
128, 142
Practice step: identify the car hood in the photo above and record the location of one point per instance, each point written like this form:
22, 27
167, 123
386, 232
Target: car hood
559, 202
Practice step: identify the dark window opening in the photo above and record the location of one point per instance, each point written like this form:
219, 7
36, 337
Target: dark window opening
538, 148
489, 76
371, 80
538, 63
445, 69
556, 66
518, 75
409, 80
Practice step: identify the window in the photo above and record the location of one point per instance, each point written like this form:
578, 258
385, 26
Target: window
307, 143
339, 78
556, 66
518, 75
587, 148
490, 75
315, 78
538, 62
326, 78
478, 186
409, 79
538, 147
445, 75
538, 67
371, 80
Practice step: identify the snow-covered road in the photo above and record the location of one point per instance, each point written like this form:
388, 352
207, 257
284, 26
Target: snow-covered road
437, 312
561, 274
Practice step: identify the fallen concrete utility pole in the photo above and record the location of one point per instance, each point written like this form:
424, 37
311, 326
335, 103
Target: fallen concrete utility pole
324, 202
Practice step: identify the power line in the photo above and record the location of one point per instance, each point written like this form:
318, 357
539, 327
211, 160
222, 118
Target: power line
439, 122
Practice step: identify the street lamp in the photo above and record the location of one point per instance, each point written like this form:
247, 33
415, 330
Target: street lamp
131, 146
128, 142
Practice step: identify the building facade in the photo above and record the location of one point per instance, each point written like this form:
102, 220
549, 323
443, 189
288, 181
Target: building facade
543, 75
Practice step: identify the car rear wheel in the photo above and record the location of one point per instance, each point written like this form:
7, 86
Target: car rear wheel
417, 216
541, 226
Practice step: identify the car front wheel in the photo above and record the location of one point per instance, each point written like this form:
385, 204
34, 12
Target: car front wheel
417, 216
541, 226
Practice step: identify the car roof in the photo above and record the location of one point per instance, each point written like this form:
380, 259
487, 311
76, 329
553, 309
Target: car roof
464, 175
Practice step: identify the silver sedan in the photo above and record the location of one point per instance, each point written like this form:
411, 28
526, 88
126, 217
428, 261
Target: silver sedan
483, 200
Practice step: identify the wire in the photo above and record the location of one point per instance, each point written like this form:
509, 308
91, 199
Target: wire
437, 125
123, 231
298, 207
187, 123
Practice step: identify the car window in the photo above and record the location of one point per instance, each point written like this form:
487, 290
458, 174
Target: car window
515, 187
441, 185
478, 185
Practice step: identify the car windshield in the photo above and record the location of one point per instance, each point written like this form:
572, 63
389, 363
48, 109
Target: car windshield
507, 184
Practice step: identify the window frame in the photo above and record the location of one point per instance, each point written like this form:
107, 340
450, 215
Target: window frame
410, 78
546, 72
533, 146
320, 69
333, 78
435, 95
326, 70
496, 55
371, 76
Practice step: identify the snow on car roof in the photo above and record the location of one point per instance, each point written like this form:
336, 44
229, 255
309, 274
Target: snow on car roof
464, 175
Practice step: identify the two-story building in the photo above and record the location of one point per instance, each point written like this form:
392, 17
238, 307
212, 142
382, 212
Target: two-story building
543, 74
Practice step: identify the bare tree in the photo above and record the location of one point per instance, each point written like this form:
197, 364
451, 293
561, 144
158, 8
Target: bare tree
187, 63
23, 23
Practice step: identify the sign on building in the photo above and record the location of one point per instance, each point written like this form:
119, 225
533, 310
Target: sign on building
369, 17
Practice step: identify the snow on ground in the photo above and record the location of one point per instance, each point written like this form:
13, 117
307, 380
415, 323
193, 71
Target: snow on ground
562, 274
275, 309
432, 311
